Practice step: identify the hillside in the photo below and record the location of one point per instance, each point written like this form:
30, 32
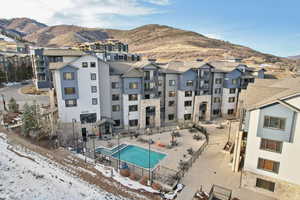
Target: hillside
294, 57
156, 41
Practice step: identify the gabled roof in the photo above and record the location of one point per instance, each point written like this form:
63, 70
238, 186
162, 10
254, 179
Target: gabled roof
60, 65
133, 73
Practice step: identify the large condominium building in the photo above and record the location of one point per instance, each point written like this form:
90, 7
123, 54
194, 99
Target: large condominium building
272, 126
147, 94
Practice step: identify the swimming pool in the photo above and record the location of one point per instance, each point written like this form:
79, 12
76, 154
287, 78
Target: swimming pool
139, 156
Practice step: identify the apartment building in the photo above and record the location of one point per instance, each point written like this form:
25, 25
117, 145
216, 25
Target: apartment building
271, 126
147, 94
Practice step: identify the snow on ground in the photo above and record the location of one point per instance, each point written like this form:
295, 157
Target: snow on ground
36, 177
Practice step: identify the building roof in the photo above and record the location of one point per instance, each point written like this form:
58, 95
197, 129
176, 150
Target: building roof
119, 68
264, 92
60, 65
63, 52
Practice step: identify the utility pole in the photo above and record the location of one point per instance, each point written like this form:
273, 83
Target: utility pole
229, 130
148, 130
73, 128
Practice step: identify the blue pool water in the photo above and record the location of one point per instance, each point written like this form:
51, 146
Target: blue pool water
139, 156
109, 152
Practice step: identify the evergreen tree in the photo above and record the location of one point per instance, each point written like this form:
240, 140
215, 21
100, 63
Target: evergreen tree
30, 119
13, 106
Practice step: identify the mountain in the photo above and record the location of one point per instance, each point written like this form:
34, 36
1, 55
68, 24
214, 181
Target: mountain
23, 26
294, 57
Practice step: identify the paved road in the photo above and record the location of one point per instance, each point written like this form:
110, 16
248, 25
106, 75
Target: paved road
14, 91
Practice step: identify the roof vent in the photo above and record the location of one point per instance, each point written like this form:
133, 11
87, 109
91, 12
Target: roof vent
199, 59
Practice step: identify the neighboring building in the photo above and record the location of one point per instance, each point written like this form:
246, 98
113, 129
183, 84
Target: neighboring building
42, 57
271, 125
149, 94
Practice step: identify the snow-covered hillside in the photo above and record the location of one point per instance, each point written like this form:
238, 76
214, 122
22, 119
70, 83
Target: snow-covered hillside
5, 38
30, 176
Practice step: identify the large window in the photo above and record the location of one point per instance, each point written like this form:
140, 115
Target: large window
218, 80
133, 122
230, 111
171, 103
134, 85
71, 102
172, 94
68, 75
217, 99
234, 81
187, 116
133, 97
116, 108
117, 122
189, 83
274, 122
188, 93
264, 184
93, 64
172, 82
231, 99
171, 117
115, 97
94, 101
115, 85
93, 76
133, 108
94, 89
187, 103
232, 90
268, 165
88, 118
85, 64
69, 90
271, 145
147, 75
217, 90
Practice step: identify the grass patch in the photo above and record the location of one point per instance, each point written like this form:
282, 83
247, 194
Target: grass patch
33, 91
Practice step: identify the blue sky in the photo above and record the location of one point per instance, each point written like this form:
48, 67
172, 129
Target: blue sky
270, 26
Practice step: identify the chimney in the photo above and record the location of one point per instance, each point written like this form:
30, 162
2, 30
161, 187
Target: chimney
199, 59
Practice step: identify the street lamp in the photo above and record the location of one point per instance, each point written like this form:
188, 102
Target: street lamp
119, 155
73, 128
148, 130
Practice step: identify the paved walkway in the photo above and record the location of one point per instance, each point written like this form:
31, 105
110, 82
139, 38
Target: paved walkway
213, 167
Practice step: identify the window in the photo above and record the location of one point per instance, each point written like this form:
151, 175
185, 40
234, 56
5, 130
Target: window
88, 118
133, 122
230, 111
133, 97
274, 122
217, 99
172, 82
94, 101
218, 91
216, 111
171, 117
189, 83
69, 90
231, 99
94, 89
159, 94
115, 97
85, 64
133, 108
188, 93
117, 122
93, 76
187, 116
68, 75
232, 90
71, 102
133, 85
159, 83
234, 81
171, 103
147, 75
187, 103
93, 64
218, 81
271, 145
172, 94
115, 85
116, 108
264, 184
147, 96
268, 165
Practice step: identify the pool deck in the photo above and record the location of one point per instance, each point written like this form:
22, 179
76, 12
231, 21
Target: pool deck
173, 156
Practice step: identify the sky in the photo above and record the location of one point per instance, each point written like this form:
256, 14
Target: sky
269, 26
